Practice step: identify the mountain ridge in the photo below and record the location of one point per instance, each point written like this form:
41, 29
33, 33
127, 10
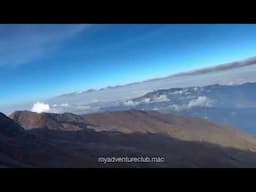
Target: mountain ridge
137, 121
236, 103
44, 147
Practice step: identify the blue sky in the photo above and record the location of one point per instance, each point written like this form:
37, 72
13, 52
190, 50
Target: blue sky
41, 61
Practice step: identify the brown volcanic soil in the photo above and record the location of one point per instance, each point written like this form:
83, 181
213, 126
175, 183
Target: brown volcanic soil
182, 141
177, 126
19, 148
65, 122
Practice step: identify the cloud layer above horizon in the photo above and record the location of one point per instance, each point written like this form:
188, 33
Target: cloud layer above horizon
39, 62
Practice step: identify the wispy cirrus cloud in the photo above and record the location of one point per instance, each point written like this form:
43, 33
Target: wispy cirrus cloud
23, 43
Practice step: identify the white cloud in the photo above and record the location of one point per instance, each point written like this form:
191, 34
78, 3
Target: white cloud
146, 100
40, 107
201, 101
64, 105
178, 92
130, 103
177, 107
161, 98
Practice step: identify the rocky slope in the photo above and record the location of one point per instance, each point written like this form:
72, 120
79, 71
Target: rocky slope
181, 141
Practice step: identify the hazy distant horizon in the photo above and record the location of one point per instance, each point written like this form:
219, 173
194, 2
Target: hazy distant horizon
39, 61
186, 72
236, 75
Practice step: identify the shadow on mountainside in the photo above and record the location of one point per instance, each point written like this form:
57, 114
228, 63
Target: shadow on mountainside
83, 148
42, 147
